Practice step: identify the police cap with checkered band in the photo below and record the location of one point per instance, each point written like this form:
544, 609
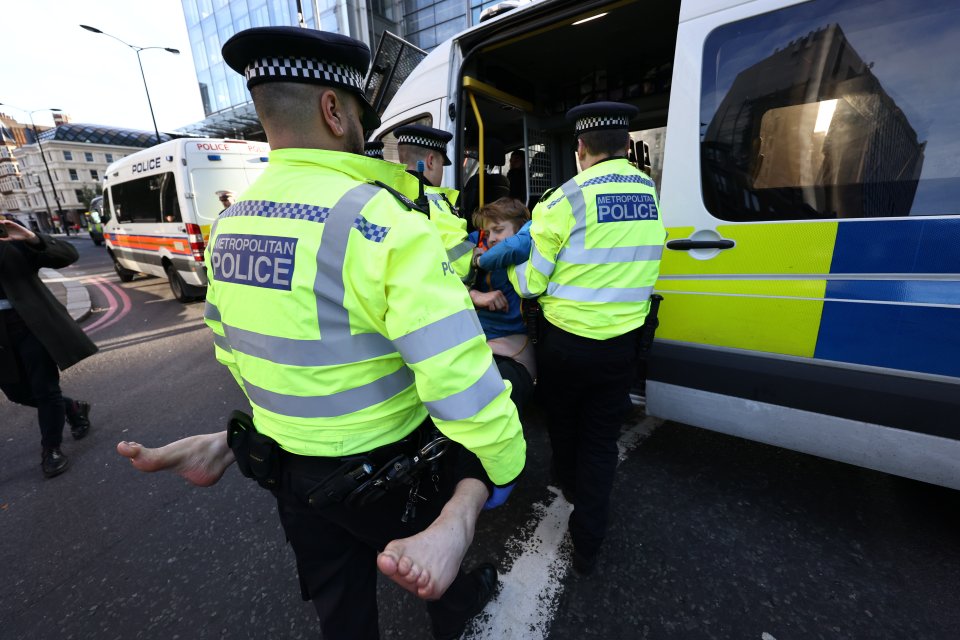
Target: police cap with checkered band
420, 135
373, 149
599, 116
296, 54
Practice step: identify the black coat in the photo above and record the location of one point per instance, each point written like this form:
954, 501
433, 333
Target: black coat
43, 314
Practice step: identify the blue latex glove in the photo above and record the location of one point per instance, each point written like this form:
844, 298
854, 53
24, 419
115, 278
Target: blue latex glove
498, 497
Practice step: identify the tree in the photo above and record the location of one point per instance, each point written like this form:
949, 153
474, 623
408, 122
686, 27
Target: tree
87, 194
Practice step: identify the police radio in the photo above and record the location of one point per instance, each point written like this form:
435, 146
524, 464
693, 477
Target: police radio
422, 198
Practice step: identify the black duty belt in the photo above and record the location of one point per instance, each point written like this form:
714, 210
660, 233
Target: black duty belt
356, 481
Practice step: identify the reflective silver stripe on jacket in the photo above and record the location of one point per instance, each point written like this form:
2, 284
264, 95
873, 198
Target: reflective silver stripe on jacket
437, 337
521, 272
334, 404
576, 252
460, 250
470, 401
585, 294
210, 312
540, 263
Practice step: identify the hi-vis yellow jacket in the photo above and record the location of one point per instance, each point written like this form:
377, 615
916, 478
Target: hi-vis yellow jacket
595, 255
334, 308
452, 228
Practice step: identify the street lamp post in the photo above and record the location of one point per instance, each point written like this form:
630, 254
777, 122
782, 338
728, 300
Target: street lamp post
43, 156
142, 75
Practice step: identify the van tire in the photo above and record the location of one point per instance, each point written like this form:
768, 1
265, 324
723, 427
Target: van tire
125, 275
180, 289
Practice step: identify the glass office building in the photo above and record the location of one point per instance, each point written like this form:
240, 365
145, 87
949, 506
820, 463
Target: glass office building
226, 101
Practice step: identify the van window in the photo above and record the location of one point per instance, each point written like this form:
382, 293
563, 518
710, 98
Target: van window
106, 209
170, 204
138, 200
832, 109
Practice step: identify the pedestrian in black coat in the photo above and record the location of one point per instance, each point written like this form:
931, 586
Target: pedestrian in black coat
38, 338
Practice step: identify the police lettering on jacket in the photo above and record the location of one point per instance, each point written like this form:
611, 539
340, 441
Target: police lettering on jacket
618, 207
258, 261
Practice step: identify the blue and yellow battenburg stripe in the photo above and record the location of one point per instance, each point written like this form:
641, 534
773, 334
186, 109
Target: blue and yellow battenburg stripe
884, 293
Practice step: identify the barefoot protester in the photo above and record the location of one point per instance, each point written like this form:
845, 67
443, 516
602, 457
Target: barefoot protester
380, 422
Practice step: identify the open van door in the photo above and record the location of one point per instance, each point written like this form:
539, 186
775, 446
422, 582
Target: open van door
394, 61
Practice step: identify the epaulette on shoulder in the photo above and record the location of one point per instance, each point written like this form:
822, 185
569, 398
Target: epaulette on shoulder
402, 199
547, 194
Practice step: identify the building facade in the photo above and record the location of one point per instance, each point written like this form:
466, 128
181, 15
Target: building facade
77, 156
210, 23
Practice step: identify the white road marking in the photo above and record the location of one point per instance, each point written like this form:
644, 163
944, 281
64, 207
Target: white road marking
530, 591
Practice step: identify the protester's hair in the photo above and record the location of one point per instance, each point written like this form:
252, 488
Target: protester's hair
605, 142
503, 210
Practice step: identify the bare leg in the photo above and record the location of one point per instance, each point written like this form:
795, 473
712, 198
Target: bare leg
200, 459
425, 564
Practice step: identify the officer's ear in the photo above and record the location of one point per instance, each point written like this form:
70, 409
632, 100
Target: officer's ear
581, 150
334, 112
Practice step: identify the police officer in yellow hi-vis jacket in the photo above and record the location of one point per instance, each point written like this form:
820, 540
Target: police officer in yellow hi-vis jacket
333, 306
595, 255
419, 143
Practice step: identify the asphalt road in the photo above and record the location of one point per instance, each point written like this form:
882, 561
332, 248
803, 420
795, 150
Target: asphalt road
713, 536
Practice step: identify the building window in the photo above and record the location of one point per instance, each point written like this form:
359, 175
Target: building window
109, 157
73, 174
88, 156
79, 194
93, 174
806, 114
67, 155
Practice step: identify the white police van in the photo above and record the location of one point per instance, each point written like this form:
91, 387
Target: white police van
806, 157
159, 204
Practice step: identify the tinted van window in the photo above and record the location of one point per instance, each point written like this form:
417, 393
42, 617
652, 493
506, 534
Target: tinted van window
138, 200
833, 109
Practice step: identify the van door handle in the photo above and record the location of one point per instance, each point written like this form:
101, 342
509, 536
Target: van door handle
686, 244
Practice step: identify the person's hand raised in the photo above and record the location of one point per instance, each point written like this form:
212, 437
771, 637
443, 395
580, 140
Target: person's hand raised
10, 231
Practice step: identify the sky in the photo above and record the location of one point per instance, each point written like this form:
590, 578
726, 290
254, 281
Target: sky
51, 62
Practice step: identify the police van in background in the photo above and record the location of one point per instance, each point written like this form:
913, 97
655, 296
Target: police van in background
159, 204
806, 156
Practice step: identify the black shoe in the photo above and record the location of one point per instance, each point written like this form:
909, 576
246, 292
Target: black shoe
485, 576
583, 565
79, 419
53, 462
568, 493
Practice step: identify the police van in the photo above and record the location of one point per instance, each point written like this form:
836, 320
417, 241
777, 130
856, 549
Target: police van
159, 204
806, 160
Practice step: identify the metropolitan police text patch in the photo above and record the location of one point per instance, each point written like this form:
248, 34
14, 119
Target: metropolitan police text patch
257, 261
620, 207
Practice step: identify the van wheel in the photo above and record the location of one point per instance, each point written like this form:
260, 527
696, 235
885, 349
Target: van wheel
180, 289
125, 275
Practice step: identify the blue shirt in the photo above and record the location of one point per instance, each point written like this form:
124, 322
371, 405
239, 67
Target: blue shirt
497, 324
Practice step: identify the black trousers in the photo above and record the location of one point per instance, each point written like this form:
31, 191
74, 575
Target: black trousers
39, 381
519, 377
336, 548
585, 387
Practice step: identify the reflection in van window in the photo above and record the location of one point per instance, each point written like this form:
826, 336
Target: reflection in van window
138, 200
832, 109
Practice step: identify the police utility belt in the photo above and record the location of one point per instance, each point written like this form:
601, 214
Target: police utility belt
355, 481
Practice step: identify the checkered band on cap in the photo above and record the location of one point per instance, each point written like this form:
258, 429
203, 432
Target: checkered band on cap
602, 122
329, 72
420, 141
373, 153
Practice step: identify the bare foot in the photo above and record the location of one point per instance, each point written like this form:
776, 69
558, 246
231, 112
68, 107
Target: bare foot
201, 459
426, 563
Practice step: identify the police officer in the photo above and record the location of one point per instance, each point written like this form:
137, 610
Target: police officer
373, 149
333, 307
418, 143
597, 242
